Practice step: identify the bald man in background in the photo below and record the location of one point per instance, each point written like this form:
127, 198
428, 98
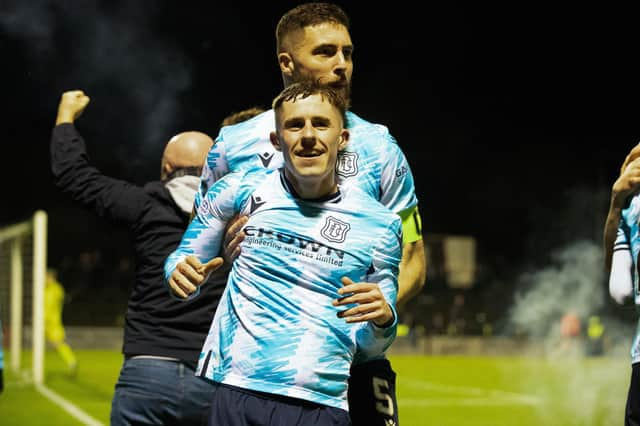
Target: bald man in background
162, 335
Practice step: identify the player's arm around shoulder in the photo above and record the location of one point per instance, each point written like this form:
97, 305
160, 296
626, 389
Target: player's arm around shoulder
214, 167
197, 255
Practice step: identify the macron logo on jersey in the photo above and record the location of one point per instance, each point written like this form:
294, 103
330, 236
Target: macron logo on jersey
256, 203
265, 157
335, 230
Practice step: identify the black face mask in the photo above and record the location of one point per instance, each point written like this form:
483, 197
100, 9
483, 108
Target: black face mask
183, 171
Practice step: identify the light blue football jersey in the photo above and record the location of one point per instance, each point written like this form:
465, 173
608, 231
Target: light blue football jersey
372, 160
629, 239
275, 329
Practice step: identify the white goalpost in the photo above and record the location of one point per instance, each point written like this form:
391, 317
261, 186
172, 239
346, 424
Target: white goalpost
23, 260
23, 265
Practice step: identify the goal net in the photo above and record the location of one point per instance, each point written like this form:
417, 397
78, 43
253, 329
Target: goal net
23, 260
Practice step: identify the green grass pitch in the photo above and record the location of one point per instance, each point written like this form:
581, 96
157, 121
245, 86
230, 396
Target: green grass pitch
432, 391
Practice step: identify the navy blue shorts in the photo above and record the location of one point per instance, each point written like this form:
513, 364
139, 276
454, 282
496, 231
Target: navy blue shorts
372, 394
233, 406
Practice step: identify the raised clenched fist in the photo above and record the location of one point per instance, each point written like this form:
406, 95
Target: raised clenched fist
72, 103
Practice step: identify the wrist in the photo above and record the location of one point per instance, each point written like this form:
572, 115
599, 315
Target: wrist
389, 322
617, 201
63, 117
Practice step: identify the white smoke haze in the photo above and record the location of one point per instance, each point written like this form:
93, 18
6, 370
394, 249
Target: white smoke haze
573, 282
153, 72
32, 22
104, 45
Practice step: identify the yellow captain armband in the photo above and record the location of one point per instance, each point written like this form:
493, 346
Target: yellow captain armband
411, 225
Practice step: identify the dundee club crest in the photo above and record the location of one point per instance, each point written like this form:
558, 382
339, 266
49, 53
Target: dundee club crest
347, 164
335, 230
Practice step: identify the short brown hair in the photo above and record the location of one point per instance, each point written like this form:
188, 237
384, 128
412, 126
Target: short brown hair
240, 116
307, 88
306, 15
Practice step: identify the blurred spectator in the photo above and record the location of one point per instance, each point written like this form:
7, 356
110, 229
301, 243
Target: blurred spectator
437, 323
595, 336
570, 329
484, 326
457, 322
570, 325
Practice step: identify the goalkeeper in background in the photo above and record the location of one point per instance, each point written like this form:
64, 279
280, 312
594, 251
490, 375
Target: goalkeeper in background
53, 328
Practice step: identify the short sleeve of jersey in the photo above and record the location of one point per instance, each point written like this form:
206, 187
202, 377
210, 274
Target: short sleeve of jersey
386, 263
397, 187
205, 232
214, 168
621, 243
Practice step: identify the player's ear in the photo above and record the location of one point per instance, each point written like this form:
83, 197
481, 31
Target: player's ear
286, 64
343, 139
273, 136
165, 170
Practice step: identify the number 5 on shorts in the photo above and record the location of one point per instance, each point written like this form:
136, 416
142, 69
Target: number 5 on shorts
384, 402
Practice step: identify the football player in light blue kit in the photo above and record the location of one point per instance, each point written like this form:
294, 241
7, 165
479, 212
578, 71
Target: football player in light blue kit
623, 259
315, 282
314, 43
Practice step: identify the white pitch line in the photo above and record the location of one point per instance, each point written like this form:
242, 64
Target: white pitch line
472, 394
70, 408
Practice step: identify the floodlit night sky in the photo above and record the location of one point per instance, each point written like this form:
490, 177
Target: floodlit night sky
514, 118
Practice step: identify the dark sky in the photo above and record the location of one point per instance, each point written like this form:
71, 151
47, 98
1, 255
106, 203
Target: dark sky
514, 118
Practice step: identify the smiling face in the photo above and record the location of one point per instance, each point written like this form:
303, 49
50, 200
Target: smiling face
309, 132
